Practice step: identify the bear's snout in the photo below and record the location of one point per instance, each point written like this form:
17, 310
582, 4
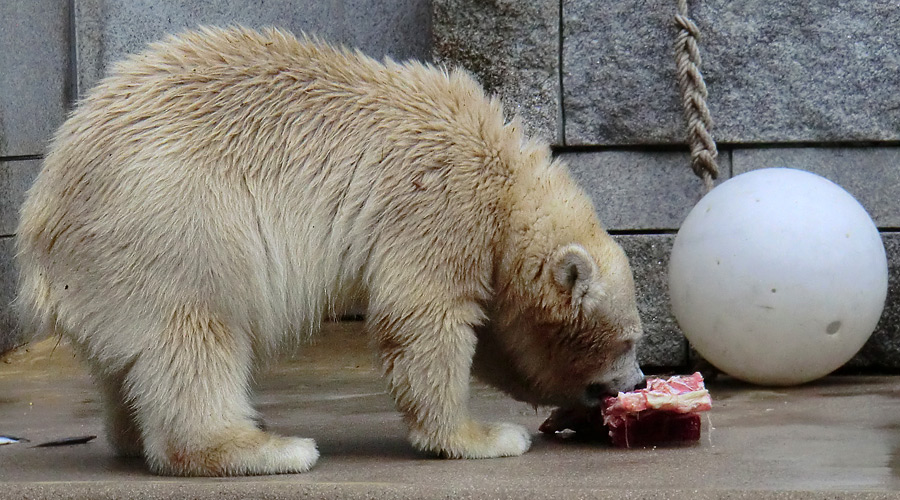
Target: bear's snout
595, 392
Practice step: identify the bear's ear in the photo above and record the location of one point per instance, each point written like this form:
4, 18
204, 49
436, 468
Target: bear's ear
573, 269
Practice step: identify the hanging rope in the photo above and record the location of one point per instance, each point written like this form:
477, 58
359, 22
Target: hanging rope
693, 98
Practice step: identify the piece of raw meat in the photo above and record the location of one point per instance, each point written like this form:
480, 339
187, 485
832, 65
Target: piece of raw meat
666, 411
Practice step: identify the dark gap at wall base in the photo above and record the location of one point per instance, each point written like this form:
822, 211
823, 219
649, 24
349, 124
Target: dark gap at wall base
21, 157
723, 146
70, 86
639, 232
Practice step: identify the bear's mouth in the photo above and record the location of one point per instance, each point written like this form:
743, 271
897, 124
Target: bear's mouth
594, 395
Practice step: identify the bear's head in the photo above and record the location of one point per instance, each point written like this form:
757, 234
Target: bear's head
564, 325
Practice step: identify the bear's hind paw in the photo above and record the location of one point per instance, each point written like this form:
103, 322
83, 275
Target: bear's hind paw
242, 454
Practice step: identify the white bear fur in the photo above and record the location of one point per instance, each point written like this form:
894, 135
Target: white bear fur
218, 194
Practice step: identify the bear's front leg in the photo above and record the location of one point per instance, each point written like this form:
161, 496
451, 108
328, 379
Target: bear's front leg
427, 359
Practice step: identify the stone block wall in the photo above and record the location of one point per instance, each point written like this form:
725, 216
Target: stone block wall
810, 85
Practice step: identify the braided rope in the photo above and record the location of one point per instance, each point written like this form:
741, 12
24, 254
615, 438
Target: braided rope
693, 98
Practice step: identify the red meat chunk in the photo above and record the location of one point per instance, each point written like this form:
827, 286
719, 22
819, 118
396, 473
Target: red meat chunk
666, 411
656, 427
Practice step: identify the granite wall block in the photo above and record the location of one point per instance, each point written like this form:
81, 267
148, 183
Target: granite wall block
15, 179
107, 30
642, 190
882, 352
513, 49
870, 174
35, 81
823, 70
663, 345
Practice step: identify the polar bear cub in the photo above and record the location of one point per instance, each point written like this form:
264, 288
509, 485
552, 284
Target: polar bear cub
221, 192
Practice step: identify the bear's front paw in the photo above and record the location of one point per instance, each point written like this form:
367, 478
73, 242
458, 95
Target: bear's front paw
504, 440
476, 440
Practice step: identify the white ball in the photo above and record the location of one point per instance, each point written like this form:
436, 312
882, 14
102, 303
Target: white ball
778, 276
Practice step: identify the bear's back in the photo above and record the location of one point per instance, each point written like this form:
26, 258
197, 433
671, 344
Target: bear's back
289, 158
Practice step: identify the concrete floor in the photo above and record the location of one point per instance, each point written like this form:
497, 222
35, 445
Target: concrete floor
838, 438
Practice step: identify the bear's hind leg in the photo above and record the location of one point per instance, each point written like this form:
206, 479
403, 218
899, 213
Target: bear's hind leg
121, 429
191, 400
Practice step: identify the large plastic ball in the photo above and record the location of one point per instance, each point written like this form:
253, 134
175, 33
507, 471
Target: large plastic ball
778, 276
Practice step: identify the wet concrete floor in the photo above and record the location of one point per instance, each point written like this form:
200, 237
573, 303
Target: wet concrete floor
837, 438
